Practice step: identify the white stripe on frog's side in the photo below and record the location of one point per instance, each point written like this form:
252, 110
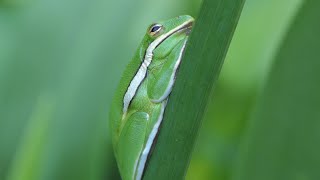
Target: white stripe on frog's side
146, 150
141, 73
155, 129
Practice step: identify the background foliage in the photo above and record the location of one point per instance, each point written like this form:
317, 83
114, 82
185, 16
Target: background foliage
60, 62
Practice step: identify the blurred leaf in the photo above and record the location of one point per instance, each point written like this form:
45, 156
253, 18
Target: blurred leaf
255, 42
199, 70
282, 140
75, 51
26, 163
60, 47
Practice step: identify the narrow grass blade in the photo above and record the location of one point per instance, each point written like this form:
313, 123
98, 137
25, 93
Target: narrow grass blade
199, 71
28, 157
283, 137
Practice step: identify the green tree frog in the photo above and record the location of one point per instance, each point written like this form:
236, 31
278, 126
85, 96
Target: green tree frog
140, 101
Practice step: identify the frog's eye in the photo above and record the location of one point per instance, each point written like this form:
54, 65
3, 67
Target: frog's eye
155, 29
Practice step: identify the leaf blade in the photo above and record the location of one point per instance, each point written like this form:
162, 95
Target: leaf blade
199, 70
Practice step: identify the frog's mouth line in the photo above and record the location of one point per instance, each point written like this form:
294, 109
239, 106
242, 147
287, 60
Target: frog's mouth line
187, 28
184, 28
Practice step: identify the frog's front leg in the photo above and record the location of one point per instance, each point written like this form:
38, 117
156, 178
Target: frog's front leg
160, 86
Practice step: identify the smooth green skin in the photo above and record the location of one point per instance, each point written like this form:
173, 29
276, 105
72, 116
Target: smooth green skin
131, 130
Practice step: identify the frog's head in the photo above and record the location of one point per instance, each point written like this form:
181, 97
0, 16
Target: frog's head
170, 27
163, 36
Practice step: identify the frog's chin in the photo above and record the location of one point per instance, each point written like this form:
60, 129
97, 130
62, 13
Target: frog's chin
186, 28
185, 31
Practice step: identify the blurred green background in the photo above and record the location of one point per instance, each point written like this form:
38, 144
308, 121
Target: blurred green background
60, 62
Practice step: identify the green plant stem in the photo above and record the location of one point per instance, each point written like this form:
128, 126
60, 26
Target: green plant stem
196, 78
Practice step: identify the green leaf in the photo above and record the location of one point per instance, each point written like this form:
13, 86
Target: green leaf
30, 152
199, 71
256, 41
283, 137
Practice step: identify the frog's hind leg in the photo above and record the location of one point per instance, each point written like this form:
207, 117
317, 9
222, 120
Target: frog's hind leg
152, 131
131, 144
